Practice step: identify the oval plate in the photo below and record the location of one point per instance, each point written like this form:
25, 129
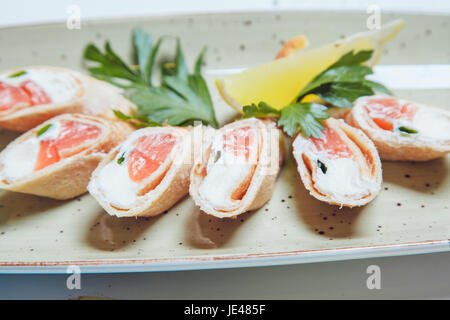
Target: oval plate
410, 215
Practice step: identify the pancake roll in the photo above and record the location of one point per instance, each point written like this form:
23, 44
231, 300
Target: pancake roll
32, 95
341, 168
238, 169
401, 129
146, 174
56, 158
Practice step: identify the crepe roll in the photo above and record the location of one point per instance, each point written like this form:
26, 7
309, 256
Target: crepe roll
32, 95
238, 169
57, 158
146, 174
342, 167
401, 129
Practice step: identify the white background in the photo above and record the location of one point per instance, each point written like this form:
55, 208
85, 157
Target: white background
19, 12
416, 277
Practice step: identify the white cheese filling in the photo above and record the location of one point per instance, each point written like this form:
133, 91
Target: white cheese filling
222, 179
116, 186
59, 86
113, 180
20, 160
342, 179
434, 124
430, 123
225, 172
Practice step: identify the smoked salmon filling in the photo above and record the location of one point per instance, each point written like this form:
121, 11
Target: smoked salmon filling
401, 129
146, 174
32, 95
341, 168
47, 151
238, 170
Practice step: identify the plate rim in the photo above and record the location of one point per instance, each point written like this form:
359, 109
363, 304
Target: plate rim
205, 262
226, 261
143, 17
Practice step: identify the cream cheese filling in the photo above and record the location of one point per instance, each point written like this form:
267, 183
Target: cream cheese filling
431, 123
20, 160
342, 179
225, 173
59, 86
113, 180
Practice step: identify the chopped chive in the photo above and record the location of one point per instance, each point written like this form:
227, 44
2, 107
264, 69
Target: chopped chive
407, 130
405, 134
217, 156
43, 130
121, 159
322, 166
17, 74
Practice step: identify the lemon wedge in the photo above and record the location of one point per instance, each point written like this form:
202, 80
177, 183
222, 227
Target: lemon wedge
279, 81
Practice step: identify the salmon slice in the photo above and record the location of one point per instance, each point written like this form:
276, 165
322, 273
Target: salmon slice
384, 110
238, 142
71, 135
332, 144
149, 153
35, 93
11, 96
26, 95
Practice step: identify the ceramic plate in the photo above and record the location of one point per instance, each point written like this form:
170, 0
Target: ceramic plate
410, 215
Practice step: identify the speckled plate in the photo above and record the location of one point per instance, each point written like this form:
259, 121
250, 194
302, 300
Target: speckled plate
410, 215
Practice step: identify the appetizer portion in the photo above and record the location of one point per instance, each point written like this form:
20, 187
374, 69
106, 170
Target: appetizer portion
238, 171
56, 159
342, 167
401, 129
146, 174
32, 95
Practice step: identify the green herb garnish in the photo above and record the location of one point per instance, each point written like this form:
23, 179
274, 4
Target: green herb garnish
339, 85
139, 121
259, 111
217, 156
121, 159
407, 130
17, 74
305, 115
322, 166
42, 130
181, 97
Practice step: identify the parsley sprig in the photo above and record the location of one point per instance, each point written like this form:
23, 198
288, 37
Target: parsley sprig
181, 97
339, 86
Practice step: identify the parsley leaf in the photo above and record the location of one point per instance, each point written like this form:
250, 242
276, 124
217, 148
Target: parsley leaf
305, 115
181, 97
339, 85
139, 121
259, 111
342, 94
